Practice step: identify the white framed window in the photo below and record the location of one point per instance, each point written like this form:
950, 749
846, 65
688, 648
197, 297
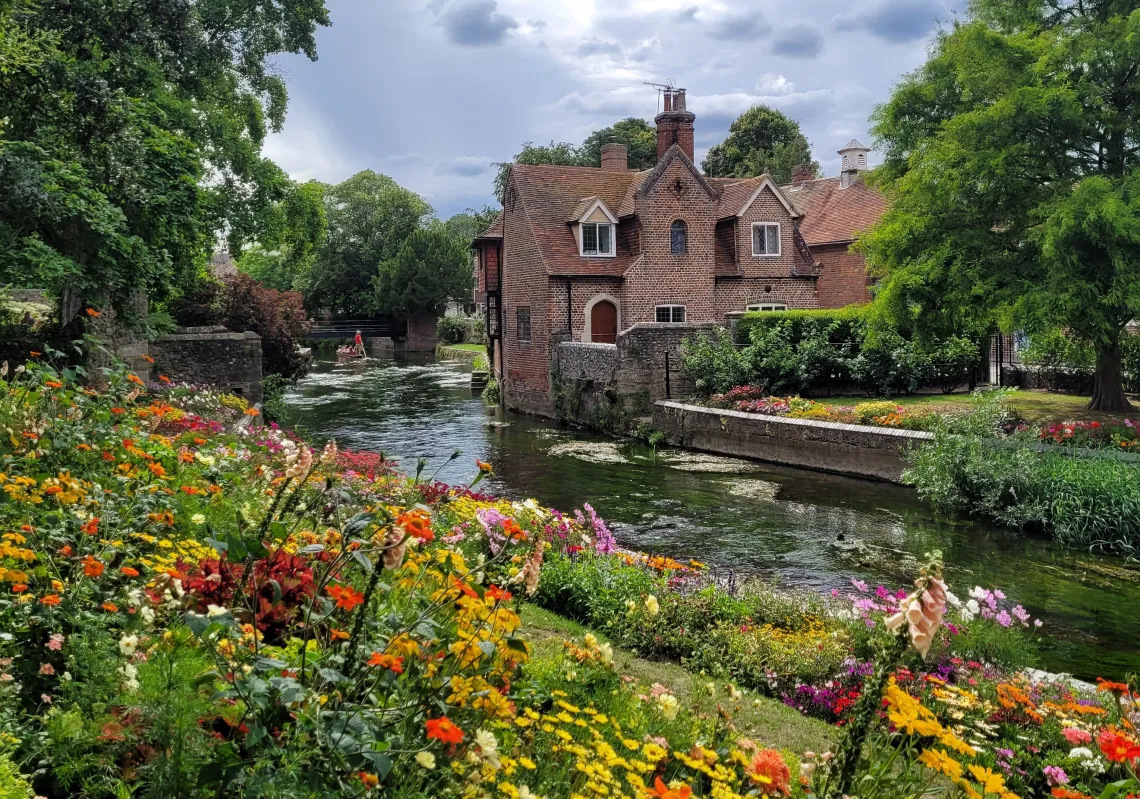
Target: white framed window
765, 239
597, 239
671, 314
768, 306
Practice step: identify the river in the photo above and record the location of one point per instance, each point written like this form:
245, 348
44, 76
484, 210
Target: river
805, 528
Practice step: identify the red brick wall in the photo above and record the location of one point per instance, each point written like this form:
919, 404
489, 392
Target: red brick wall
526, 384
582, 290
663, 278
844, 280
737, 294
765, 208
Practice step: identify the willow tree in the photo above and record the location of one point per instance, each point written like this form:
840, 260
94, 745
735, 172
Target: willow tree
1011, 163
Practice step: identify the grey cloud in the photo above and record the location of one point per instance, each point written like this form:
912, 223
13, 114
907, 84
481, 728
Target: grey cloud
590, 47
686, 14
798, 41
536, 24
475, 22
644, 51
901, 21
464, 166
739, 27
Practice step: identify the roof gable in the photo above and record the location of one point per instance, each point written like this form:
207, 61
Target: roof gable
671, 155
585, 209
765, 182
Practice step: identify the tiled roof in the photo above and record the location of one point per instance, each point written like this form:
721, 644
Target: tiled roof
495, 231
549, 196
832, 214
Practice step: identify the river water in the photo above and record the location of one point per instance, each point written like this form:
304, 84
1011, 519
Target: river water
805, 528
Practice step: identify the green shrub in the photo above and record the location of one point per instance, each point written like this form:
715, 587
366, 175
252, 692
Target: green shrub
273, 388
452, 329
839, 324
713, 363
13, 785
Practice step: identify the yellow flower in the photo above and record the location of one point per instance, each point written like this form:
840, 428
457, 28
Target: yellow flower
988, 780
937, 760
426, 760
652, 606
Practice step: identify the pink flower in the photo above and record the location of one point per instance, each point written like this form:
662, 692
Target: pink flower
47, 668
1004, 619
6, 677
45, 698
1056, 775
55, 643
1076, 736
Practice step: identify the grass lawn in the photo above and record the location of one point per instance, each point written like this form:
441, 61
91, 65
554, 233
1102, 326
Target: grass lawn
482, 348
767, 721
1035, 406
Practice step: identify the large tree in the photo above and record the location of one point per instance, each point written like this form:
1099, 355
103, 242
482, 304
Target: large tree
635, 133
431, 267
1011, 162
761, 140
369, 216
132, 136
294, 233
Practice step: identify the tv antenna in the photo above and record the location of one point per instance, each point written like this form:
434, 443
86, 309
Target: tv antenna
668, 85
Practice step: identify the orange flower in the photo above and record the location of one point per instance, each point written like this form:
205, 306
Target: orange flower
444, 730
185, 455
19, 588
130, 571
484, 467
157, 469
1061, 792
107, 456
53, 384
417, 524
201, 442
118, 411
496, 594
1117, 688
252, 412
65, 550
1117, 748
53, 490
34, 353
191, 490
392, 662
148, 359
370, 780
164, 379
339, 635
135, 379
83, 447
769, 769
91, 527
346, 596
110, 607
662, 791
91, 567
93, 313
51, 600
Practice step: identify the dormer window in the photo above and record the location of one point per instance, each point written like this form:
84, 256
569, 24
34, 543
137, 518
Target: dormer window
597, 238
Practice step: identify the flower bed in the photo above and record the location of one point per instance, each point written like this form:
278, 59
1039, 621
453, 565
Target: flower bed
188, 611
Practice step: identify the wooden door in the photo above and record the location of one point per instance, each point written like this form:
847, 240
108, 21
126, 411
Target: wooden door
603, 323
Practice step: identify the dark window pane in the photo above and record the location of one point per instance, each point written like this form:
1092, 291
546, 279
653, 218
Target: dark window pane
678, 237
773, 243
590, 239
522, 319
678, 313
604, 240
758, 239
663, 313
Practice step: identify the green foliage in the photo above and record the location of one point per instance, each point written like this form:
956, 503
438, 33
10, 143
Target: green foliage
430, 268
492, 394
369, 218
1014, 191
840, 325
1089, 498
866, 411
295, 232
635, 133
13, 785
452, 329
761, 140
113, 120
713, 363
273, 389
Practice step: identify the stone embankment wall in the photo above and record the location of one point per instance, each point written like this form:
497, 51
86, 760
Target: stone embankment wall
609, 385
211, 356
874, 452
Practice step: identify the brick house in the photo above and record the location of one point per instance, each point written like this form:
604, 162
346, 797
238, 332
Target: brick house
582, 254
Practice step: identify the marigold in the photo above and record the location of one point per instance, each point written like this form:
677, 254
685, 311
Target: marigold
19, 588
393, 663
662, 791
117, 411
346, 596
370, 781
496, 594
1117, 688
417, 524
484, 467
937, 760
91, 567
91, 526
252, 412
135, 379
93, 313
164, 379
768, 768
53, 384
444, 730
130, 571
51, 600
1061, 792
110, 607
148, 359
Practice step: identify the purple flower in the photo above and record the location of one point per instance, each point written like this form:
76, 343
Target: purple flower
1022, 615
1056, 775
1004, 619
860, 586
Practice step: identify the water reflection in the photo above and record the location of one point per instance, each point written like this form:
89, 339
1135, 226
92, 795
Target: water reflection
806, 528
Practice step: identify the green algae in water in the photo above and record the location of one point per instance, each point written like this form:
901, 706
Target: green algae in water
703, 463
589, 451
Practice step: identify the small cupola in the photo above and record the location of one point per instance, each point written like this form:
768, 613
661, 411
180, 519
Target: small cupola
854, 155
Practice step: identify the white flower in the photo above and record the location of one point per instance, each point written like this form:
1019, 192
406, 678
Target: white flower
128, 644
1081, 753
130, 675
669, 706
525, 793
652, 605
426, 760
734, 692
607, 653
488, 747
215, 610
198, 519
147, 614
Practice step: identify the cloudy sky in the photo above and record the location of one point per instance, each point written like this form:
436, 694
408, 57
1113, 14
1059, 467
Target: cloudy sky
433, 92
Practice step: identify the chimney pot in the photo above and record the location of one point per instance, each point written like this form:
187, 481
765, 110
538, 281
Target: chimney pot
802, 173
615, 157
668, 102
675, 125
679, 100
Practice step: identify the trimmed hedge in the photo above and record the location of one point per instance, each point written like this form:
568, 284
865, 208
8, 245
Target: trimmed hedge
839, 324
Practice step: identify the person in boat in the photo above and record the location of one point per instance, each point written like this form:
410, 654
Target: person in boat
358, 343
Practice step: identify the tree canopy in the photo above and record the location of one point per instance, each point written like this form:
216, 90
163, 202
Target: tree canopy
432, 266
369, 218
294, 233
1011, 163
761, 140
635, 133
132, 136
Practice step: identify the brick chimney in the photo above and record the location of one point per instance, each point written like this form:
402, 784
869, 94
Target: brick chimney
615, 157
802, 174
675, 125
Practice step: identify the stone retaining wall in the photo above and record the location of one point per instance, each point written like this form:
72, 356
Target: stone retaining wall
595, 362
211, 356
874, 452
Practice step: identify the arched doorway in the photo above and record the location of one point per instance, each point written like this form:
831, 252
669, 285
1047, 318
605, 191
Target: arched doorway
603, 322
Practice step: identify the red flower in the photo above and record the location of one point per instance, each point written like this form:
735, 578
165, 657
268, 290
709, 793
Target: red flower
19, 588
51, 600
443, 730
346, 596
393, 663
1117, 748
91, 527
498, 594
